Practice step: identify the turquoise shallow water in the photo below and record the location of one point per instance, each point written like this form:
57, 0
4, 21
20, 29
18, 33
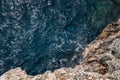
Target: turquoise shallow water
40, 35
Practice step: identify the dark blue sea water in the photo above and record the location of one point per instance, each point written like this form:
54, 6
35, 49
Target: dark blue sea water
40, 35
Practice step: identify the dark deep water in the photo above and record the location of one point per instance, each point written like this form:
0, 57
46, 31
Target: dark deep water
40, 35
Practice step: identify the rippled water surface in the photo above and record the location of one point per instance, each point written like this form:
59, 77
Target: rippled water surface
40, 35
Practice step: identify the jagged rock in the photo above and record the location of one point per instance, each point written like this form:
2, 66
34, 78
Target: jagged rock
101, 61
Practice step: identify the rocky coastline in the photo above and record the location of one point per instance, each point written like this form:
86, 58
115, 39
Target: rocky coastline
101, 61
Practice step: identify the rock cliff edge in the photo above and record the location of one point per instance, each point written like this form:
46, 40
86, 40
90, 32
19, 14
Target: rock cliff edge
101, 61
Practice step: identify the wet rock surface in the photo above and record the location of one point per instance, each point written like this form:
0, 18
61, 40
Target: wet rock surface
101, 61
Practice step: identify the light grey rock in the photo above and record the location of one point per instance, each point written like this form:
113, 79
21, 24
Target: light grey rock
115, 48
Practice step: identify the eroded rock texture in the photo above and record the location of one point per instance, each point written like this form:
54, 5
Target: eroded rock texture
101, 61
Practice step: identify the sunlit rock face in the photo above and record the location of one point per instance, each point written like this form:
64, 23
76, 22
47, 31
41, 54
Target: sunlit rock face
40, 35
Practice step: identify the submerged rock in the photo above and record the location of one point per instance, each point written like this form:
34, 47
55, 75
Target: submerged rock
101, 60
117, 2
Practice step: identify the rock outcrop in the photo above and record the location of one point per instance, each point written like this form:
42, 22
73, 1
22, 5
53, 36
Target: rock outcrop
101, 61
